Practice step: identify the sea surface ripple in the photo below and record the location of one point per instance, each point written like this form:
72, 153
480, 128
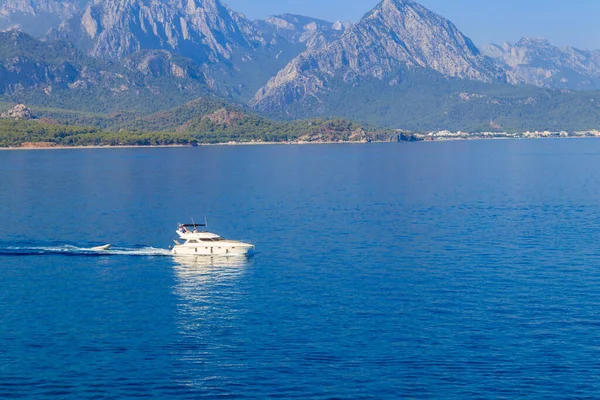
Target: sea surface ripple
433, 270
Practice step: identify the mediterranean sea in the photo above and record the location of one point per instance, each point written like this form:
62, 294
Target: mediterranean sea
446, 270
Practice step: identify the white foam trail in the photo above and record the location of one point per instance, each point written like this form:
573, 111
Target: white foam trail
146, 251
74, 250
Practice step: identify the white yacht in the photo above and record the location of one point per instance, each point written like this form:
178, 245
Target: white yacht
199, 242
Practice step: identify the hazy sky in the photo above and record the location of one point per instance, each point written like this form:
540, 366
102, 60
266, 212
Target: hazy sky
574, 22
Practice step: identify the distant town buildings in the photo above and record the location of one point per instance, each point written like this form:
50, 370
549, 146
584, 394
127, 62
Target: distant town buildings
448, 135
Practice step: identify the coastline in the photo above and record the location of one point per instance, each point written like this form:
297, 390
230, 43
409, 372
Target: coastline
436, 140
86, 147
166, 146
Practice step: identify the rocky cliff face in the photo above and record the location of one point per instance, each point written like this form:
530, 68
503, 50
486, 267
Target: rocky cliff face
161, 63
37, 16
204, 30
314, 33
535, 61
57, 74
397, 34
234, 49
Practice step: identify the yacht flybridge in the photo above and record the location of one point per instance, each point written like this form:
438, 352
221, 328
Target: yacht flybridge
199, 242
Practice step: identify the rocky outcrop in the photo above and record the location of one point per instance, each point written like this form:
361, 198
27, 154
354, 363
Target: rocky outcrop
37, 16
20, 111
313, 33
397, 34
328, 134
161, 63
224, 116
535, 61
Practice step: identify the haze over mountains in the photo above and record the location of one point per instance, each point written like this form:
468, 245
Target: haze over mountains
37, 16
401, 65
535, 61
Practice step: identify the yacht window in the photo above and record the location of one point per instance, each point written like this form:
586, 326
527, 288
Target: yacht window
192, 241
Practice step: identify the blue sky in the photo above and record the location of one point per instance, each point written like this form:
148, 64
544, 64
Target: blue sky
563, 22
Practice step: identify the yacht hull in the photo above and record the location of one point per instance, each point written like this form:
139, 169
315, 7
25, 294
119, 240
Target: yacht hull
214, 249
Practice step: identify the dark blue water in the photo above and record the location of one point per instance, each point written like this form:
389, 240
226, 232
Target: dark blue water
441, 270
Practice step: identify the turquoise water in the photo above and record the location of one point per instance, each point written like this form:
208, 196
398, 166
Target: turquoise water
428, 270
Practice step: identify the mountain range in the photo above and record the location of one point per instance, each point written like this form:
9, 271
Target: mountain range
401, 65
536, 62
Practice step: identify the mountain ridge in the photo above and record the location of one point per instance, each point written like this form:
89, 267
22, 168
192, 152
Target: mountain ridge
395, 34
56, 74
242, 53
533, 60
36, 17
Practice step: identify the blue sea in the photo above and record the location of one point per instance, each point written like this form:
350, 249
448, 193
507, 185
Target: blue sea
442, 270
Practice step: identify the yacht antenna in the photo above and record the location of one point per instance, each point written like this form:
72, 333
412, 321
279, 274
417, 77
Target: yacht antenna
205, 222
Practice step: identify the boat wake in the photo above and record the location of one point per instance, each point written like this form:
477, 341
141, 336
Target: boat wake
69, 250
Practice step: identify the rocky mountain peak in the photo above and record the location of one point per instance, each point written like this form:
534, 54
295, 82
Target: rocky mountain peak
298, 23
398, 4
312, 32
396, 35
341, 25
419, 25
212, 9
532, 41
391, 8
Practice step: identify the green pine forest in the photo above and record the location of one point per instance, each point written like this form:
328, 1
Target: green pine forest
191, 124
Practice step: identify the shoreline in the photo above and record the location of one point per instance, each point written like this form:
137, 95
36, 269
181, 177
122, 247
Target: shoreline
167, 146
87, 147
96, 147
